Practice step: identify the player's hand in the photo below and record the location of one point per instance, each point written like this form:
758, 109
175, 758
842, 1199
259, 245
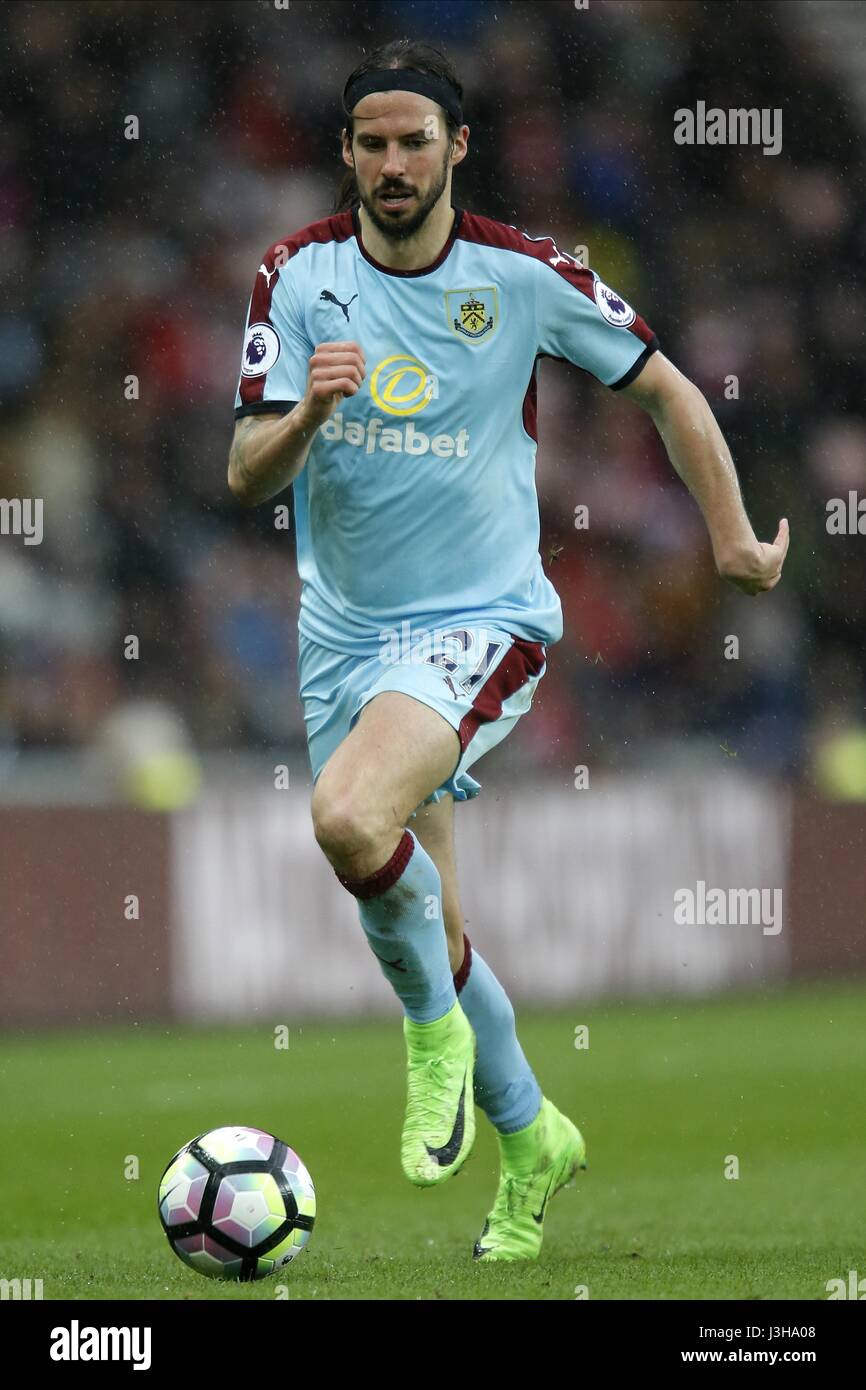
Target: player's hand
335, 370
759, 569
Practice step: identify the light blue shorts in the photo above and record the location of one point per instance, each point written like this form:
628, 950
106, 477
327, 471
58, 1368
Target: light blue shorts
481, 679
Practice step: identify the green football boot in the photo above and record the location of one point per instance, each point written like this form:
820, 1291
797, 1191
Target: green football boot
536, 1163
439, 1129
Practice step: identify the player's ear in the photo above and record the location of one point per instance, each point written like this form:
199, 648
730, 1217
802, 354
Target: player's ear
459, 145
348, 157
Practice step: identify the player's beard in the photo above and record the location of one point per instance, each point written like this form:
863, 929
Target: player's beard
398, 229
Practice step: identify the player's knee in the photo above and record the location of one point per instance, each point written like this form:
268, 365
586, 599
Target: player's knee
337, 824
343, 824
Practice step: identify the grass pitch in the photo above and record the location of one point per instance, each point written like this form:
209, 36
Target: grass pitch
664, 1094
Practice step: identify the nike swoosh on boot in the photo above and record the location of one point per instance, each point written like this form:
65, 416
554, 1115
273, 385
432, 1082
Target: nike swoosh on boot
448, 1152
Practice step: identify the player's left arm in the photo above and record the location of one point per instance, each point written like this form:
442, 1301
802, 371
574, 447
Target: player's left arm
697, 449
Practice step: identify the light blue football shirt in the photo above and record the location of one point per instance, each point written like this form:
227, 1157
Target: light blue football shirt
417, 502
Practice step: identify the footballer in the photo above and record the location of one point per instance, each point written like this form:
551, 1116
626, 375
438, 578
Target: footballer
388, 374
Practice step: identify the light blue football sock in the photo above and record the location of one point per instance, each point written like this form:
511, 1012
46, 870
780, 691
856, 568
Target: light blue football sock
401, 913
505, 1084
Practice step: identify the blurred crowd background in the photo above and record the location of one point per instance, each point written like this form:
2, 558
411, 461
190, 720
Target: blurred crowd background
124, 258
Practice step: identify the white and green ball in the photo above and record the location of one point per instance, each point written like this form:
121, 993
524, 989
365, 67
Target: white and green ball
237, 1203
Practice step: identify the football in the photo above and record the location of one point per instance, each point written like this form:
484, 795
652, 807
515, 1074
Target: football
236, 1203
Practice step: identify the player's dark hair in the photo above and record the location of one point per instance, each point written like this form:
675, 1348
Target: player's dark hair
399, 53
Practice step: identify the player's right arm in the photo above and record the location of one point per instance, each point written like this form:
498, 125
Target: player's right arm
268, 450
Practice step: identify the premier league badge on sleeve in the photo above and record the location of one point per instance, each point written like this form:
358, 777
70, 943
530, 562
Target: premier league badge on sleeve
612, 306
261, 349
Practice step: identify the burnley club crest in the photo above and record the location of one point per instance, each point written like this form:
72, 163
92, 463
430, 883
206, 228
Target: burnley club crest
472, 314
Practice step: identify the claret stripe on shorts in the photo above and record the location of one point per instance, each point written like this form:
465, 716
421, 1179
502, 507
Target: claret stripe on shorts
523, 660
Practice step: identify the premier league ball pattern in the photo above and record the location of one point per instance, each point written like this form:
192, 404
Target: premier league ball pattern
236, 1203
